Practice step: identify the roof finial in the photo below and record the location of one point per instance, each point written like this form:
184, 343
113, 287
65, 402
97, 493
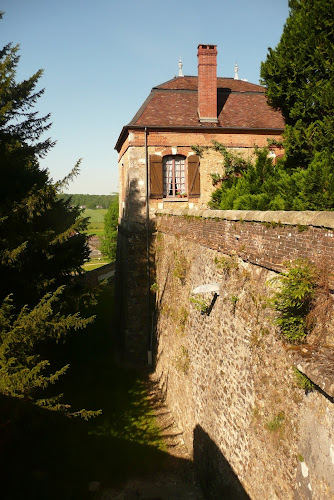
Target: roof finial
180, 67
236, 71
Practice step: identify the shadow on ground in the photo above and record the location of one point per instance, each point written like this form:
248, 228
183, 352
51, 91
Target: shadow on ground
217, 478
46, 455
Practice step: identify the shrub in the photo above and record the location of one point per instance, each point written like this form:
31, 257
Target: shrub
201, 305
302, 380
293, 300
276, 422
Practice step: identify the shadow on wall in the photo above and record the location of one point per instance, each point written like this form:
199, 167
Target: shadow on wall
216, 476
134, 297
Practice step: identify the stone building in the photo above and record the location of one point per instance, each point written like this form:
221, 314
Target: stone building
249, 420
155, 148
158, 167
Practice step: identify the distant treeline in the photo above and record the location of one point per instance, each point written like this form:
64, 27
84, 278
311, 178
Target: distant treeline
90, 200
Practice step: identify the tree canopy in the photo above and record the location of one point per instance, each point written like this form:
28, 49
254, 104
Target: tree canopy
299, 76
265, 186
42, 241
109, 241
90, 200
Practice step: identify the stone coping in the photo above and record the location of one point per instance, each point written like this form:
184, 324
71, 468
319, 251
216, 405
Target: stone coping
307, 218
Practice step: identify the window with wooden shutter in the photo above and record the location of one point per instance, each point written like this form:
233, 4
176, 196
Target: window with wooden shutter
156, 177
193, 177
174, 176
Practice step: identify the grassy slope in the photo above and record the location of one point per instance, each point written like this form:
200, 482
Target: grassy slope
46, 455
96, 223
95, 264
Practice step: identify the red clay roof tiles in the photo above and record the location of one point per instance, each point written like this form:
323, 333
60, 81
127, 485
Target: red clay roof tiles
240, 105
191, 83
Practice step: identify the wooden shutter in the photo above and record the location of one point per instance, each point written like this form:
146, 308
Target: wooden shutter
156, 179
194, 190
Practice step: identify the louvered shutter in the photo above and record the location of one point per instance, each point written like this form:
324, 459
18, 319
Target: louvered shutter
194, 190
156, 180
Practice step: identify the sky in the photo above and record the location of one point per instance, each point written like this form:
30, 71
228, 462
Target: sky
102, 57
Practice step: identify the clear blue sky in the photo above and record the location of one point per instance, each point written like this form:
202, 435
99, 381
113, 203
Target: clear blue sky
101, 58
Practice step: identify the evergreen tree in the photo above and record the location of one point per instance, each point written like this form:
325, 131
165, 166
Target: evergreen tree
42, 243
299, 76
109, 241
264, 186
23, 373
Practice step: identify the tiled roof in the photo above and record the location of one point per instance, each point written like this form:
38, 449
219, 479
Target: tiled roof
240, 105
190, 83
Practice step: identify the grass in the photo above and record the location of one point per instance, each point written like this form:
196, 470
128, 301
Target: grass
47, 455
96, 223
95, 263
96, 227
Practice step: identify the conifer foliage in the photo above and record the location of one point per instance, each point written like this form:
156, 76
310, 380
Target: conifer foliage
22, 371
299, 76
42, 240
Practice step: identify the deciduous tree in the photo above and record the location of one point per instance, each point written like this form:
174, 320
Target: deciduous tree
109, 241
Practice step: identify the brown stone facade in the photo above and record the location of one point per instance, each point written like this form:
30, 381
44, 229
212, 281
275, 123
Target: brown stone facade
226, 374
132, 157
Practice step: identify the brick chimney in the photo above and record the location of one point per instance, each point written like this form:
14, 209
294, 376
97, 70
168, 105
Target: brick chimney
207, 83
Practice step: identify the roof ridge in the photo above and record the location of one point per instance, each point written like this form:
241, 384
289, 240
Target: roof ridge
191, 80
221, 89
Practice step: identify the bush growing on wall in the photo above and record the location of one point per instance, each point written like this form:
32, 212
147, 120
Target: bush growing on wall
293, 301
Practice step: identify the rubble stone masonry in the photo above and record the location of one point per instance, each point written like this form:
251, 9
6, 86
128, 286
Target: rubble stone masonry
226, 374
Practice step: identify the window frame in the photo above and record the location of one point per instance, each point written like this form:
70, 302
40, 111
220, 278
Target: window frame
192, 176
178, 180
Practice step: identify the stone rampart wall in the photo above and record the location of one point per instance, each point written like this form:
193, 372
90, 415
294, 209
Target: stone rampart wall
226, 374
263, 238
100, 274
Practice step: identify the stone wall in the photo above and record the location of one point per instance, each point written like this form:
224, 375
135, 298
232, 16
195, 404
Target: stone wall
226, 374
133, 295
105, 272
